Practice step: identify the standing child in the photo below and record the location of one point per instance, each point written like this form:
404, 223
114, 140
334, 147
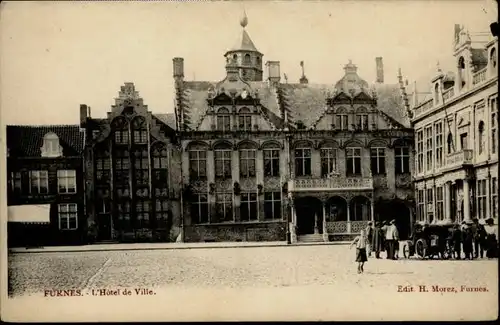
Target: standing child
361, 242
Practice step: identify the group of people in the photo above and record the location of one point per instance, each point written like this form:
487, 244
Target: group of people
475, 238
384, 236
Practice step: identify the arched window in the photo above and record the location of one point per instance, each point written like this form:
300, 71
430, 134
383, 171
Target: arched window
247, 59
480, 130
235, 57
493, 58
328, 154
247, 160
461, 67
362, 119
257, 60
436, 94
353, 161
245, 119
197, 162
223, 120
303, 160
140, 130
120, 128
223, 154
449, 142
342, 119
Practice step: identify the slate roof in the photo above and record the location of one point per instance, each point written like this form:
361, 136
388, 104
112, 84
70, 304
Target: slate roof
168, 119
244, 43
305, 102
26, 140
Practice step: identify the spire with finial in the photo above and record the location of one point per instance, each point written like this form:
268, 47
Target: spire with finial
244, 19
438, 67
303, 79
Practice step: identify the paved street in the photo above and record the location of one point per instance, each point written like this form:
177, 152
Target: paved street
299, 272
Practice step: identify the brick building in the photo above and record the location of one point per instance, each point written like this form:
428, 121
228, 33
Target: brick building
132, 172
262, 158
45, 185
456, 126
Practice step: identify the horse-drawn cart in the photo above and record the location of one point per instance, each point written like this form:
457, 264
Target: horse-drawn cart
429, 241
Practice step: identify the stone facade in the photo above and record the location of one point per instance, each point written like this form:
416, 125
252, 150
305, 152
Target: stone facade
456, 127
263, 160
132, 168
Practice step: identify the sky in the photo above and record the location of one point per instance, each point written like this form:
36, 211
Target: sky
55, 56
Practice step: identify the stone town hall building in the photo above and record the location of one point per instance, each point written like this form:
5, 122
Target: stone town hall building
245, 158
261, 158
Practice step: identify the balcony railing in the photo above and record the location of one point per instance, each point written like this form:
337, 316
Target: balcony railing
459, 158
479, 76
424, 107
346, 227
330, 184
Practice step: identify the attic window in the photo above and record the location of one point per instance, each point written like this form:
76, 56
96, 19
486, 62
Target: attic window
51, 146
300, 125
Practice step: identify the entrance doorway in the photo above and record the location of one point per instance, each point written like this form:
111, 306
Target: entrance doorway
104, 227
306, 209
395, 210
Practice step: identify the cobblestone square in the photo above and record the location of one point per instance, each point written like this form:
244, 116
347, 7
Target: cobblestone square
298, 273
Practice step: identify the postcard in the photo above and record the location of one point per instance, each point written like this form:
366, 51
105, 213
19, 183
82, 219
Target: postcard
249, 161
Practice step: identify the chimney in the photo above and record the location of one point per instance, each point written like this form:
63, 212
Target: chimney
178, 69
380, 70
84, 115
273, 72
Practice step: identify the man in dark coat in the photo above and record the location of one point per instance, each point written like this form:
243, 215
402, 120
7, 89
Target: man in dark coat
479, 238
377, 239
467, 240
457, 241
369, 237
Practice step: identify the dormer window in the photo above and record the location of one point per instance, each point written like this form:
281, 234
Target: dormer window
51, 146
223, 120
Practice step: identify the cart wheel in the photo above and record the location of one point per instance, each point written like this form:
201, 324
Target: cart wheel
406, 250
420, 249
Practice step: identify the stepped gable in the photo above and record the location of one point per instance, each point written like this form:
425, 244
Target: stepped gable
26, 140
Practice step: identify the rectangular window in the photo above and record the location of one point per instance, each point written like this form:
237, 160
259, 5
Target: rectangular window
272, 205
68, 216
248, 206
141, 165
271, 162
197, 164
420, 205
103, 168
224, 207
161, 213
494, 127
66, 181
16, 182
402, 160
463, 141
199, 209
429, 147
353, 163
39, 181
420, 151
342, 122
439, 203
121, 166
482, 197
494, 198
223, 163
223, 123
439, 143
160, 158
430, 205
362, 121
328, 161
140, 136
142, 212
247, 162
124, 216
121, 137
303, 162
377, 156
245, 122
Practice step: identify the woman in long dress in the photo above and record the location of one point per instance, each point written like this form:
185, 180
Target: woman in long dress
491, 239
